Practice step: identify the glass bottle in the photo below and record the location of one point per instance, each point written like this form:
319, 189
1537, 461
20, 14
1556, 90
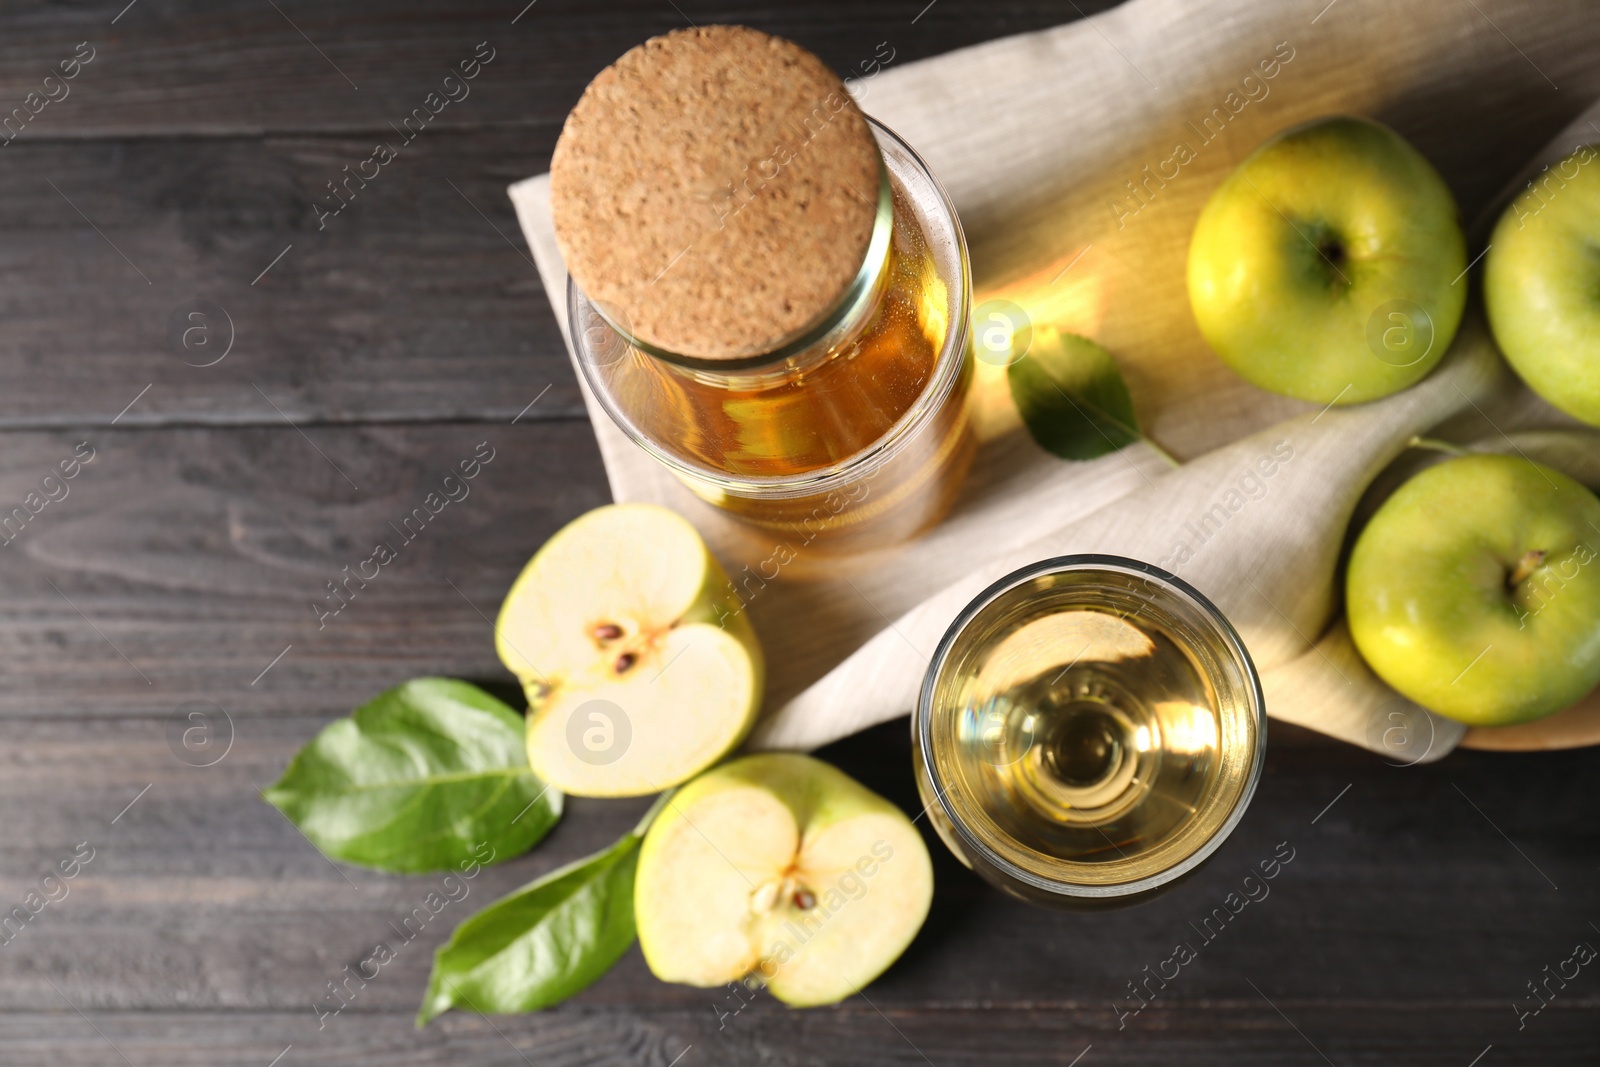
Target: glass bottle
852, 434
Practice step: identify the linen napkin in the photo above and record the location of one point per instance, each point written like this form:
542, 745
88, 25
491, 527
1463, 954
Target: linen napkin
1057, 149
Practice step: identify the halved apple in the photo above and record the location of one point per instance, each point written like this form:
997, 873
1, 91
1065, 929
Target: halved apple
780, 869
640, 668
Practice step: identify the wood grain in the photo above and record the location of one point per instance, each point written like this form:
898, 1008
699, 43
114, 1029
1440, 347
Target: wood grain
406, 305
181, 562
1234, 1033
238, 67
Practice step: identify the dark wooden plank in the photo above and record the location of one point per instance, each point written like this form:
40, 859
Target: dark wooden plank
239, 67
409, 304
1402, 930
182, 562
1227, 1034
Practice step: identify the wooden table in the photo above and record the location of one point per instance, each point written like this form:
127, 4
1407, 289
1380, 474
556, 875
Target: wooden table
162, 217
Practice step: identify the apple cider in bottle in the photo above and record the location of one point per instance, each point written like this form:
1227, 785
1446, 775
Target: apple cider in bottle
769, 291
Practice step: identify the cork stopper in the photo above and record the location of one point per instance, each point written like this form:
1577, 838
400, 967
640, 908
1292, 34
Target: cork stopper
715, 191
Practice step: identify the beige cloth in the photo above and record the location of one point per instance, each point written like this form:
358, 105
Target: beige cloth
1041, 140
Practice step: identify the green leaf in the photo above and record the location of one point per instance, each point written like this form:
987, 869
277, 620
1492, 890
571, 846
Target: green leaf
420, 779
1072, 397
541, 944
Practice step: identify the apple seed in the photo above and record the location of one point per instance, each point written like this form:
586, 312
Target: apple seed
764, 898
606, 631
804, 899
624, 661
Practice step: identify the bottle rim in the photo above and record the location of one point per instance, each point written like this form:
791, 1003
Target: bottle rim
922, 726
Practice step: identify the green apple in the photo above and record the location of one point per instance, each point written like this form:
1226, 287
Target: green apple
779, 869
1541, 285
1326, 266
1475, 590
640, 668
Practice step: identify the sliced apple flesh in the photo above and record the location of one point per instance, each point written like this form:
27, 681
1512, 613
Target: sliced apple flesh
780, 869
640, 669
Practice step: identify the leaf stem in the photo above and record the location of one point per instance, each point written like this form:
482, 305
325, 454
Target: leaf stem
1172, 460
1436, 445
655, 809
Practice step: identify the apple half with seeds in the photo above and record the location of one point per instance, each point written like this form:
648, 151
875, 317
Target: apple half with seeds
780, 870
640, 668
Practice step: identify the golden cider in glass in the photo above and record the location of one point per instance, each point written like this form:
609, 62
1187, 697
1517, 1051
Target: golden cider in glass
1090, 730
